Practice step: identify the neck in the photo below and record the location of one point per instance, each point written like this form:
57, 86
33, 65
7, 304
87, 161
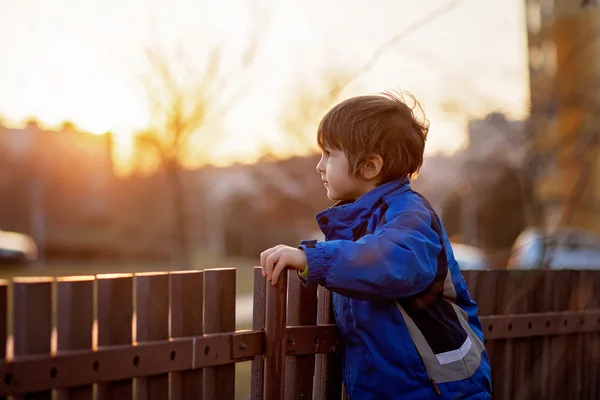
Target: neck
366, 188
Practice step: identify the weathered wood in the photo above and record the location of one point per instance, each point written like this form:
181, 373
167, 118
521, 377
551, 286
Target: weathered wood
152, 323
523, 284
258, 323
484, 286
580, 294
32, 320
275, 340
559, 363
302, 310
592, 345
3, 317
3, 323
74, 323
539, 303
219, 316
187, 298
114, 316
328, 367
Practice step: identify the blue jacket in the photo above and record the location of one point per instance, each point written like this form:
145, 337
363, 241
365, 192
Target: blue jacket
408, 326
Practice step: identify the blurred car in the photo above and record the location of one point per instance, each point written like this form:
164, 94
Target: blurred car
469, 257
568, 248
17, 248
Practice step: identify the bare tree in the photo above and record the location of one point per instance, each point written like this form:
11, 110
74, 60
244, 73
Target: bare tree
307, 105
184, 104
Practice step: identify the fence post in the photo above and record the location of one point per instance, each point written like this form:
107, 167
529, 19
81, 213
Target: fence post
3, 317
559, 361
74, 321
302, 310
152, 323
114, 315
258, 323
593, 344
328, 367
219, 316
275, 341
187, 294
32, 318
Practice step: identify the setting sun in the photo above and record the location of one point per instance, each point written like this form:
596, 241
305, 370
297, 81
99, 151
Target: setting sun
84, 64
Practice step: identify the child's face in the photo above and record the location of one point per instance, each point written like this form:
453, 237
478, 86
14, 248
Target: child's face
335, 174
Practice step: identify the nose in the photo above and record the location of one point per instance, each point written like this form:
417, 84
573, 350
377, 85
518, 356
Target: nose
321, 166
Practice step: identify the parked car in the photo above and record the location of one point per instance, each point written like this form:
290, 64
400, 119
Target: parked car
17, 248
568, 248
469, 257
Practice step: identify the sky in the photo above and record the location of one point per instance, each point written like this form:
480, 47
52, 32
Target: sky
81, 60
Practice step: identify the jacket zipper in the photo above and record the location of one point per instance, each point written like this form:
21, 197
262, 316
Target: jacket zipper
435, 387
434, 384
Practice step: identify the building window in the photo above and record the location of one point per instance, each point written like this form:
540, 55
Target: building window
549, 56
536, 58
547, 9
534, 16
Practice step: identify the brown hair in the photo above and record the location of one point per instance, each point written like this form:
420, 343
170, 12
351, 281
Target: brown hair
377, 124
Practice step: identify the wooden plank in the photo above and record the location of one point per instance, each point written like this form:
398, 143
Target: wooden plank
558, 344
525, 282
187, 297
258, 323
581, 291
3, 318
548, 299
536, 366
152, 323
592, 342
219, 316
328, 367
275, 339
345, 393
302, 310
581, 350
503, 349
74, 321
3, 322
32, 320
114, 316
485, 288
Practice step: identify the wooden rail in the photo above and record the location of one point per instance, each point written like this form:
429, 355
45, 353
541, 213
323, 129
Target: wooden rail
161, 335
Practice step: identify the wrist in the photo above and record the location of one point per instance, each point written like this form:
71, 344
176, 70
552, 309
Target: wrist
304, 273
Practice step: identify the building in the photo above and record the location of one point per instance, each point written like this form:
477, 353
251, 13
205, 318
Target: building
497, 137
564, 50
55, 185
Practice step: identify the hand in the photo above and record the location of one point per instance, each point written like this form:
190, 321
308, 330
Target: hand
276, 259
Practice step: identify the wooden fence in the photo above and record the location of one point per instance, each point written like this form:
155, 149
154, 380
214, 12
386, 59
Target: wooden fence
172, 335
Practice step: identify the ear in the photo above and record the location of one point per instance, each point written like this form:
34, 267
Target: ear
372, 167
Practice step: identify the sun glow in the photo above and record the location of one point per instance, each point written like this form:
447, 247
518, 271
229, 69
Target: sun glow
81, 63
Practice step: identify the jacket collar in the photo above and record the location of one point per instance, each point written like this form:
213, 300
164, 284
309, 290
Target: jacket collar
338, 221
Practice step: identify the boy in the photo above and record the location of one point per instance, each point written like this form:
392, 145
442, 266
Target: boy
407, 323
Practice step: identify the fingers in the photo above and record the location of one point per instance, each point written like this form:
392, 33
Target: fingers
278, 268
263, 258
273, 261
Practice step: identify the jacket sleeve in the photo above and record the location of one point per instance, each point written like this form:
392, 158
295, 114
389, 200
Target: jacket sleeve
399, 259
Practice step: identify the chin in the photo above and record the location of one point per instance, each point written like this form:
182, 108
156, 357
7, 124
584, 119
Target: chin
335, 197
331, 196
